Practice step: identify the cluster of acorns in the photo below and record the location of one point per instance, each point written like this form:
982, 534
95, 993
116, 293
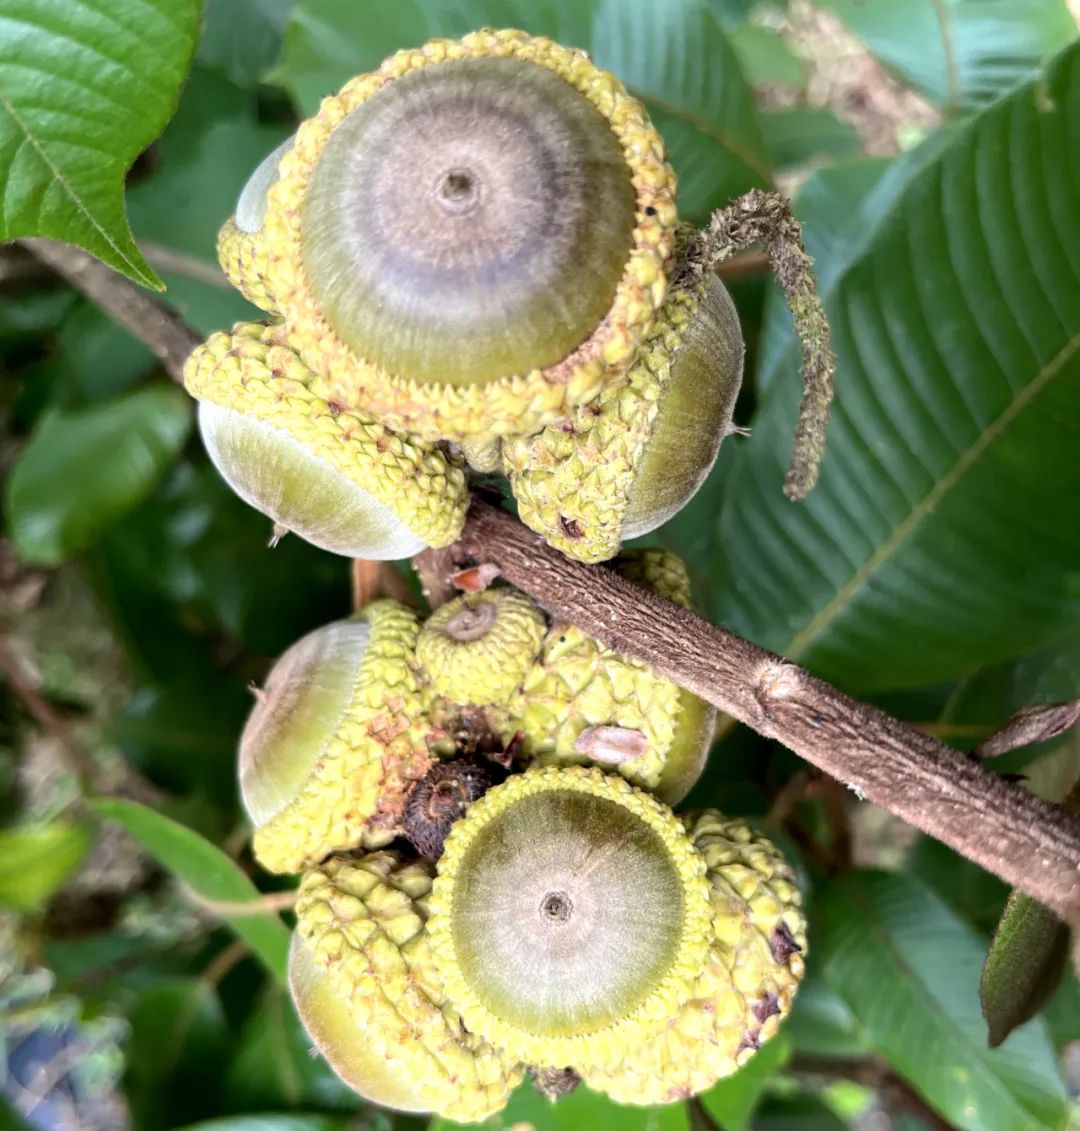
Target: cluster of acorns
472, 259
494, 881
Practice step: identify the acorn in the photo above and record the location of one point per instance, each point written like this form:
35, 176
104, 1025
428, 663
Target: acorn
335, 740
473, 239
582, 703
569, 918
479, 647
364, 981
623, 464
341, 481
747, 983
241, 248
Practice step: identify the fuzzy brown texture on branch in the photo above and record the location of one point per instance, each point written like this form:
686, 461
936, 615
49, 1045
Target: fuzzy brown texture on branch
765, 218
1030, 843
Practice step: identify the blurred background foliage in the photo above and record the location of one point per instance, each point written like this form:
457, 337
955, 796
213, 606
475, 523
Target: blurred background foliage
931, 147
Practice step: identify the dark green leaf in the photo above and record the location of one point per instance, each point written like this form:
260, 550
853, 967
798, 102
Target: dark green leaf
675, 56
10, 1119
949, 475
85, 86
273, 1066
35, 862
1024, 965
972, 892
820, 1024
178, 1044
960, 53
209, 873
908, 969
82, 470
766, 58
1062, 1014
732, 14
732, 1102
797, 1113
242, 38
203, 160
800, 135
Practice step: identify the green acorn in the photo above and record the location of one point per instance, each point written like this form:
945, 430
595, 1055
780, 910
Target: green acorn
343, 483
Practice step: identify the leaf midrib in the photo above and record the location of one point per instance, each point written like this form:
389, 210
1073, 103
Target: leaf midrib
964, 462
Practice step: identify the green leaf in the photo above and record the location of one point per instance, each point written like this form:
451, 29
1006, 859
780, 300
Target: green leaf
820, 1024
242, 38
801, 134
732, 1102
766, 59
908, 969
961, 54
972, 892
1023, 966
209, 873
675, 56
85, 86
178, 1043
35, 862
797, 1113
273, 1066
82, 470
954, 297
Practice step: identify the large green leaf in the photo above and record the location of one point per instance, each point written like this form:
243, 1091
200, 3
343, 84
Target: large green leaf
274, 1123
85, 86
208, 872
242, 38
908, 969
179, 1040
940, 537
673, 55
960, 53
34, 862
731, 1102
82, 470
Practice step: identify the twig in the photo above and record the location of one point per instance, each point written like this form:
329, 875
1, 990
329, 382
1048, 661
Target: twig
272, 904
371, 579
147, 319
766, 218
168, 259
223, 963
743, 266
894, 1090
1030, 843
433, 568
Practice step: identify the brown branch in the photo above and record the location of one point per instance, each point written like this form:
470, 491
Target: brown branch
1030, 843
896, 1092
163, 258
146, 318
433, 568
373, 579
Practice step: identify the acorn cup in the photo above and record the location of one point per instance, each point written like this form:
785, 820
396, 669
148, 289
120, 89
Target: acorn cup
623, 464
468, 241
340, 481
582, 703
363, 978
335, 740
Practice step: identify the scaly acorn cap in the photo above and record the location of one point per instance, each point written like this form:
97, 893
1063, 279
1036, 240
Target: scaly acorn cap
335, 740
745, 989
338, 480
582, 703
366, 989
241, 248
479, 647
623, 464
569, 917
473, 238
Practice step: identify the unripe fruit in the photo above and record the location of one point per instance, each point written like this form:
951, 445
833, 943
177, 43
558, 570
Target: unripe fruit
241, 247
335, 740
472, 239
365, 985
746, 985
479, 647
582, 702
623, 464
568, 918
343, 483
